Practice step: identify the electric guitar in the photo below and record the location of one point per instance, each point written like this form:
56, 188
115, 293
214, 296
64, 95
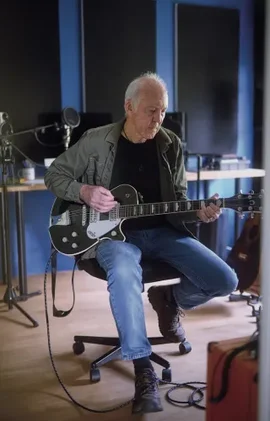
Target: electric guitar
75, 228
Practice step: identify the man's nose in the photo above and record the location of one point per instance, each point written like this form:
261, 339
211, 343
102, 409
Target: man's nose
158, 117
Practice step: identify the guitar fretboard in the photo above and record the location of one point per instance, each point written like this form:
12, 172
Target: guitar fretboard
146, 209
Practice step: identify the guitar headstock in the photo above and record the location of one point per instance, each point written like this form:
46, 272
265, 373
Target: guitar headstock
246, 202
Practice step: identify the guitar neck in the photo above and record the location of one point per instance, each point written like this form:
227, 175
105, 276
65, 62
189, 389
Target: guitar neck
164, 208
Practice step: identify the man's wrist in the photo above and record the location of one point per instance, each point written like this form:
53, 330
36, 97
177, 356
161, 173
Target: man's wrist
83, 189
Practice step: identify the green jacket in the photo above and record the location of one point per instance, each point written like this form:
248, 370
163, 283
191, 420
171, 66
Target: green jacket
90, 161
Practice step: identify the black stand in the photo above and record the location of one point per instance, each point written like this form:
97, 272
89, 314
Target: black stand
10, 298
24, 295
198, 182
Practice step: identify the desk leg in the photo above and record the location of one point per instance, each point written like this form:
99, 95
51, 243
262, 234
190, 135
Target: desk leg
21, 249
10, 297
236, 216
237, 219
4, 262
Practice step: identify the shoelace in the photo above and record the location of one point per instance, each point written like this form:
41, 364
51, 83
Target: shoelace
178, 311
147, 382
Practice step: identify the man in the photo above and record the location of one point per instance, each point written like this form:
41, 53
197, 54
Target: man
140, 152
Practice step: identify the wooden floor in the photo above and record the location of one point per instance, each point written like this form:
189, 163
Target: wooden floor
29, 389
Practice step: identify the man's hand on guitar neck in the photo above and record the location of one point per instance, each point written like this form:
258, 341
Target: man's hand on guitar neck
209, 213
98, 198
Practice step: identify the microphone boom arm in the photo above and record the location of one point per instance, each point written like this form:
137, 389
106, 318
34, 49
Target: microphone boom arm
41, 128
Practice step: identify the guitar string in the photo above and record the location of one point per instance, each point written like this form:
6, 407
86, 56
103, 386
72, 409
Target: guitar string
131, 206
228, 205
145, 205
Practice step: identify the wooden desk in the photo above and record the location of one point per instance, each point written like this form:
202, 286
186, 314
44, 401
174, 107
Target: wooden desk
212, 175
38, 185
235, 175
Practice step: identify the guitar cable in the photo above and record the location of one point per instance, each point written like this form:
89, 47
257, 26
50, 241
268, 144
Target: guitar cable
252, 347
197, 388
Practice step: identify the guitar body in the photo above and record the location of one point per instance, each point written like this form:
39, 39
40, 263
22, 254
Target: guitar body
244, 257
75, 228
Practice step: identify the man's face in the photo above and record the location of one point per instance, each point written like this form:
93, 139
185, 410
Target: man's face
148, 113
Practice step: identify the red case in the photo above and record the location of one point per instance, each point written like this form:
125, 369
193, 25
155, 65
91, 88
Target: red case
241, 400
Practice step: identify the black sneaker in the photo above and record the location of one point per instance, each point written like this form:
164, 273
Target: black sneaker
168, 313
146, 397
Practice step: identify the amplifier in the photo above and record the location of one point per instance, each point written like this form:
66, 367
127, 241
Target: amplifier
232, 385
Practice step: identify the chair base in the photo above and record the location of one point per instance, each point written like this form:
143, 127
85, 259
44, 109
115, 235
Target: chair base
115, 353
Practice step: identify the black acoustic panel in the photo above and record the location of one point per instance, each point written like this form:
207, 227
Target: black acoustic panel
259, 59
119, 44
208, 56
30, 67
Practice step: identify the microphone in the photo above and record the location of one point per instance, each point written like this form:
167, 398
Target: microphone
70, 119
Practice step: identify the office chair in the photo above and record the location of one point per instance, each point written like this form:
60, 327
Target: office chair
153, 271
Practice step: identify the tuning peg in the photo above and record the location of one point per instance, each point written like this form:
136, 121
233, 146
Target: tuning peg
241, 215
252, 215
251, 192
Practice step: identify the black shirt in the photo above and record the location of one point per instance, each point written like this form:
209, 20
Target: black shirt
137, 164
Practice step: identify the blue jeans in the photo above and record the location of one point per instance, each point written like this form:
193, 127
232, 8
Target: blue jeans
205, 276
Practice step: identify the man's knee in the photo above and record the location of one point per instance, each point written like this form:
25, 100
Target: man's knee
228, 281
109, 250
120, 260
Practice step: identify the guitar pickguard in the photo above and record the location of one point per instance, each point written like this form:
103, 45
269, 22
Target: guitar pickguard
99, 228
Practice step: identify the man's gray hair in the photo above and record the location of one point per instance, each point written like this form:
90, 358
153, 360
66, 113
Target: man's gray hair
133, 89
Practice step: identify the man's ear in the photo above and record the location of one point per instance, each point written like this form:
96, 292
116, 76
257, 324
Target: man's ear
128, 106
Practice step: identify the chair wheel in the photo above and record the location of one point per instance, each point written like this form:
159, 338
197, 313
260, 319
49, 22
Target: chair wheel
167, 375
94, 375
255, 312
78, 348
185, 348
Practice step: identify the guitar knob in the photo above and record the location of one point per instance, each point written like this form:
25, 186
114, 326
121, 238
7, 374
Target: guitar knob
74, 234
64, 239
113, 233
74, 245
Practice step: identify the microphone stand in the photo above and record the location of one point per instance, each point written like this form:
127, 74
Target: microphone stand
10, 297
41, 128
6, 160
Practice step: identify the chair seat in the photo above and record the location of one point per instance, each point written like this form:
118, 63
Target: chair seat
153, 270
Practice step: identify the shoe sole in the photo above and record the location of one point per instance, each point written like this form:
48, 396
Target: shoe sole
146, 407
